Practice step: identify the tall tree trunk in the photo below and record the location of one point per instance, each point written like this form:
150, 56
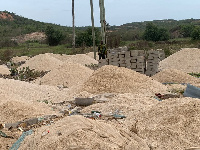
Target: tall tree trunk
102, 20
73, 24
93, 32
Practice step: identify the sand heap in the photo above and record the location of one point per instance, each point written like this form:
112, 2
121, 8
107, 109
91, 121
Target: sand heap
4, 69
186, 60
175, 76
32, 92
77, 132
112, 79
13, 111
61, 57
20, 59
43, 62
172, 124
82, 59
67, 75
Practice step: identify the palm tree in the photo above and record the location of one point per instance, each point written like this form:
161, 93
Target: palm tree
93, 33
73, 24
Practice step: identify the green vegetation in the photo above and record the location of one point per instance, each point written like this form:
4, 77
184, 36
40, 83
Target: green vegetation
195, 74
153, 33
85, 38
54, 37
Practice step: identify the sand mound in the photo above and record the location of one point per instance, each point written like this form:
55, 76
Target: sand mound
68, 75
186, 60
61, 57
20, 59
32, 92
172, 124
4, 69
77, 132
43, 62
13, 111
112, 79
175, 76
82, 59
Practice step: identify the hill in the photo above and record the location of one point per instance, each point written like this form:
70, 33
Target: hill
12, 25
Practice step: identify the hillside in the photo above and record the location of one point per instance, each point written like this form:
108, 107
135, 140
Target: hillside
13, 25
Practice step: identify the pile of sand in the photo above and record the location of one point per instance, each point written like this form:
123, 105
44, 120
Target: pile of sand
4, 69
174, 76
131, 105
20, 59
42, 62
67, 75
61, 57
186, 60
32, 92
77, 132
13, 111
112, 79
172, 124
82, 59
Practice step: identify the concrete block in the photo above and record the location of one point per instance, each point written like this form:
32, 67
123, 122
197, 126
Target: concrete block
150, 73
133, 65
133, 60
141, 65
122, 65
150, 57
114, 64
127, 54
121, 56
140, 58
128, 66
122, 61
133, 53
153, 61
141, 53
114, 60
128, 60
139, 69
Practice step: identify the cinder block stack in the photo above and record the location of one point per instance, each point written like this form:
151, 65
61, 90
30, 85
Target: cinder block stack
135, 60
138, 61
113, 58
154, 57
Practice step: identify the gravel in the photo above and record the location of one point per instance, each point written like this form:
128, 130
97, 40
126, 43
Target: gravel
186, 60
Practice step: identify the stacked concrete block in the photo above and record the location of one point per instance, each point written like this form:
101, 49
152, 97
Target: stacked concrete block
122, 59
154, 57
113, 58
134, 59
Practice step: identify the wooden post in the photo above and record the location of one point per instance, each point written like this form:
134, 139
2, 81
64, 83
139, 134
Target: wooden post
102, 20
73, 24
93, 32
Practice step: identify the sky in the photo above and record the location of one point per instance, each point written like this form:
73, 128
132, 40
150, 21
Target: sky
118, 12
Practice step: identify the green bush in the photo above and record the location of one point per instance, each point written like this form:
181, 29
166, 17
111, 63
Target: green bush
54, 37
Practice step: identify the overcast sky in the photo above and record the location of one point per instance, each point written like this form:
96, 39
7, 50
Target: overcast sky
118, 12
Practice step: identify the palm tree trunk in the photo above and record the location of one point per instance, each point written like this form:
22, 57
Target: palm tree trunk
93, 32
73, 24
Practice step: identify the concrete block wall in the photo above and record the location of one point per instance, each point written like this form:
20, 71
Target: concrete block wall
134, 59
